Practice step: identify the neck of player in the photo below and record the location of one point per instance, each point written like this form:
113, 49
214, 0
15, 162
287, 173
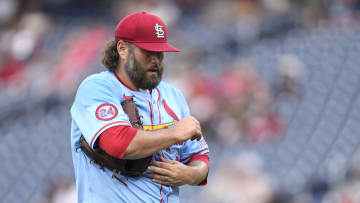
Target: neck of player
124, 77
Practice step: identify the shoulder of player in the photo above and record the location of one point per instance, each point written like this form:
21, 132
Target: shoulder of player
102, 79
165, 86
171, 92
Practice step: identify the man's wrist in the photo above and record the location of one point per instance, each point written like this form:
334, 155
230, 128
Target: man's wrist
198, 171
174, 133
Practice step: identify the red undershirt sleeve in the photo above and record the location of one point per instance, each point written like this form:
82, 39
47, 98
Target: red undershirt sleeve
204, 158
116, 140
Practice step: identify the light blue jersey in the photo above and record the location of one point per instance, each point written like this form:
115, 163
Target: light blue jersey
97, 107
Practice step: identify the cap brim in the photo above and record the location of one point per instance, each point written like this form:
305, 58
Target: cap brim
158, 47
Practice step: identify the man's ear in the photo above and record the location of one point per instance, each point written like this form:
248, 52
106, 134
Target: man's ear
122, 48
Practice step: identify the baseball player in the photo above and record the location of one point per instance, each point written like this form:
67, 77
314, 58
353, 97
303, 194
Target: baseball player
170, 136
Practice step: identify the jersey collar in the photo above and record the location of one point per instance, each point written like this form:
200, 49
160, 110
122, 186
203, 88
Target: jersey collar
116, 75
141, 90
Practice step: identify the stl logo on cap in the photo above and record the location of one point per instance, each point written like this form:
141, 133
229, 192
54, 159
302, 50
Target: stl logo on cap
159, 31
144, 30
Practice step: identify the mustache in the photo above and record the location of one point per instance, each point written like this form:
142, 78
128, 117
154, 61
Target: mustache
155, 68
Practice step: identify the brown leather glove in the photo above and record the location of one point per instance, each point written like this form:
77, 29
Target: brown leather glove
131, 168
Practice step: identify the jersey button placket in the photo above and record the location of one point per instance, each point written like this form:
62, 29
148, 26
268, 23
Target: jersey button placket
155, 111
154, 97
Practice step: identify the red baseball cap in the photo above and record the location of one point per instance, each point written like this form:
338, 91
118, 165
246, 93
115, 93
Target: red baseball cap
145, 31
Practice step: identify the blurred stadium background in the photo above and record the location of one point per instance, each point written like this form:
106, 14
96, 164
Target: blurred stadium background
275, 84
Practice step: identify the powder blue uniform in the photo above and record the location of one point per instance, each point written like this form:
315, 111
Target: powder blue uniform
97, 107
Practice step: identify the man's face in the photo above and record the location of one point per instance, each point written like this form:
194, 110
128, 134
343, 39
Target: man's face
144, 67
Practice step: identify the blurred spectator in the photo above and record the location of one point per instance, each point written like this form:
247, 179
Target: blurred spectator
80, 48
20, 43
235, 104
65, 193
8, 10
278, 7
59, 190
10, 70
287, 84
263, 127
281, 197
166, 10
238, 179
347, 192
315, 190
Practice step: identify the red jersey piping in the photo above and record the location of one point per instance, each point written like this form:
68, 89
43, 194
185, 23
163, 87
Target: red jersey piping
192, 155
92, 140
116, 75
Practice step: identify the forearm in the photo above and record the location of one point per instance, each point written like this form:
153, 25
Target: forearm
145, 143
198, 171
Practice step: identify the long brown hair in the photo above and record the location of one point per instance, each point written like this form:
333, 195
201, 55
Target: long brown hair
110, 55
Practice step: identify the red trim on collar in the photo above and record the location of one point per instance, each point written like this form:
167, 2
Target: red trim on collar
116, 75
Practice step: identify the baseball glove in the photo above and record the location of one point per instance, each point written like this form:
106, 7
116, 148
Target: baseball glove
126, 167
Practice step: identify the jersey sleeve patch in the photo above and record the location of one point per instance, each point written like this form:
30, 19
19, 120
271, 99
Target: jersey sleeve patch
106, 112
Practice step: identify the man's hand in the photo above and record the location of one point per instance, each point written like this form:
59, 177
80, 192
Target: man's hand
171, 172
187, 128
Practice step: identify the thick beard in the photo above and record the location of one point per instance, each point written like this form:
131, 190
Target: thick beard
137, 74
